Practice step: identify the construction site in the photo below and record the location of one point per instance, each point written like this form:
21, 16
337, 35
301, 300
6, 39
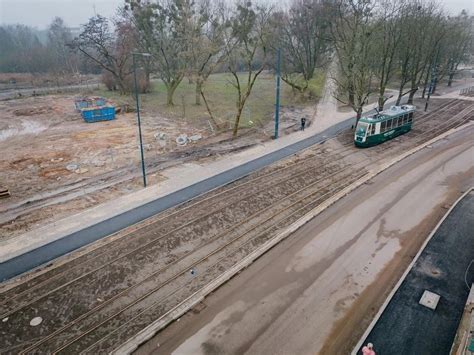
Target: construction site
69, 165
207, 177
95, 299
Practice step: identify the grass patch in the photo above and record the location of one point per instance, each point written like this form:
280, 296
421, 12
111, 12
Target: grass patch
316, 84
221, 96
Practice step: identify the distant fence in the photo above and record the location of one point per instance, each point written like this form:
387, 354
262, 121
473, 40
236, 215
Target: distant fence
16, 94
467, 91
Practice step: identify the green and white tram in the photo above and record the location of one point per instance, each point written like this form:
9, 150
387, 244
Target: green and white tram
382, 126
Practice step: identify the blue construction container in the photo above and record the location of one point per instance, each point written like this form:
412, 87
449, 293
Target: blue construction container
95, 114
87, 102
98, 101
81, 103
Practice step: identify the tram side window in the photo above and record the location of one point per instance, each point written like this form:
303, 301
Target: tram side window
383, 126
400, 121
373, 129
369, 130
405, 119
389, 125
410, 117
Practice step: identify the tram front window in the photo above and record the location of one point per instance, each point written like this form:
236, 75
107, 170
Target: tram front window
361, 128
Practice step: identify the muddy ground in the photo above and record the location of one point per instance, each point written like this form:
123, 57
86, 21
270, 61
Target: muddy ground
224, 230
55, 164
318, 290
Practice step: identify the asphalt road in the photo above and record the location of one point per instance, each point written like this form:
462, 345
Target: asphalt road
48, 252
406, 327
318, 290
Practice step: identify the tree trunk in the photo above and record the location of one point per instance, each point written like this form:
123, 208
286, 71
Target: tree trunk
351, 97
358, 115
424, 90
199, 83
450, 79
435, 84
170, 90
426, 82
209, 111
147, 88
452, 71
411, 96
121, 85
382, 99
381, 103
400, 94
240, 107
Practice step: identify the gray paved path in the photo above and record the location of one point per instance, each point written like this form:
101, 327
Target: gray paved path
405, 327
48, 252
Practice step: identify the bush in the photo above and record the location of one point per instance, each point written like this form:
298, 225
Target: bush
112, 85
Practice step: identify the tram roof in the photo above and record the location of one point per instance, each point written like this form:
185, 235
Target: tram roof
393, 111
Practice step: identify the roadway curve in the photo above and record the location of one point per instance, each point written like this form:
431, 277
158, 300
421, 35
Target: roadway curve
318, 290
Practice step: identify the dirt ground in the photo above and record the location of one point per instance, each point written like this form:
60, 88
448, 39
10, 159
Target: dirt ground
55, 164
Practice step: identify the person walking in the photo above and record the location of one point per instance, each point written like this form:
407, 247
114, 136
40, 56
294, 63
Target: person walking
303, 123
368, 349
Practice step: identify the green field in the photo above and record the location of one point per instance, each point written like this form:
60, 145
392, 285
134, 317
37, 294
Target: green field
221, 96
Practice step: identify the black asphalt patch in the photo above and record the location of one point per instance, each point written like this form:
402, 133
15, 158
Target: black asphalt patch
406, 327
48, 252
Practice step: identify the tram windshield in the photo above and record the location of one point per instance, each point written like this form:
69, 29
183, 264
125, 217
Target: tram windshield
361, 128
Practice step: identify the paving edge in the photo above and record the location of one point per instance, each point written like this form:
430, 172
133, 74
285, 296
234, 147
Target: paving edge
133, 343
405, 274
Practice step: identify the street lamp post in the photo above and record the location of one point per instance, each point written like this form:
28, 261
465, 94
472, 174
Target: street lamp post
138, 113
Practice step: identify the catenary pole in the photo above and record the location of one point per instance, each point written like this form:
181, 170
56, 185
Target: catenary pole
277, 99
138, 118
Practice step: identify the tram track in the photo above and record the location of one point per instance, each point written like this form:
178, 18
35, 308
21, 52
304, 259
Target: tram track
186, 206
66, 297
75, 335
266, 234
144, 242
99, 345
274, 211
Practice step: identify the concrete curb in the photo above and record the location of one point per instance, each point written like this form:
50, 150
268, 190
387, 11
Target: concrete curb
133, 343
405, 274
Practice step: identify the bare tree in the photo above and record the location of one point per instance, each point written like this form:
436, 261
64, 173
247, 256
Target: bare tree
248, 50
64, 61
302, 34
422, 33
165, 28
206, 42
388, 32
111, 50
460, 40
352, 33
